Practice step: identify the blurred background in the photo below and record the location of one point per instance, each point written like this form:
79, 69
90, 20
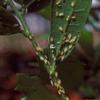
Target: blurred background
80, 72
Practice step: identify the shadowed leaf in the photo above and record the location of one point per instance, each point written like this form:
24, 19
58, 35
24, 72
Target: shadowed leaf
34, 5
8, 24
33, 88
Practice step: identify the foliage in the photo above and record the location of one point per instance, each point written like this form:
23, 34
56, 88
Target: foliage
67, 20
33, 88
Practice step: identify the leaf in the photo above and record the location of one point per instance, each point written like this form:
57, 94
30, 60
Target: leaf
34, 5
86, 42
33, 88
88, 91
71, 72
68, 19
46, 12
8, 23
38, 5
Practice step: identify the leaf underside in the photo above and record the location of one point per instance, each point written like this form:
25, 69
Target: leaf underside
68, 19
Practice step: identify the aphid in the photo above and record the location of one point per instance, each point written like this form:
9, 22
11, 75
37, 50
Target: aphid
69, 35
66, 41
70, 46
59, 82
56, 74
58, 42
67, 18
51, 82
30, 37
52, 46
45, 61
73, 39
39, 49
61, 14
51, 39
58, 2
62, 53
54, 58
65, 50
73, 17
61, 92
66, 98
60, 28
37, 53
42, 58
73, 4
62, 58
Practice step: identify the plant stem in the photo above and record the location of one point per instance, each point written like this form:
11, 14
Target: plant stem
21, 17
27, 33
56, 82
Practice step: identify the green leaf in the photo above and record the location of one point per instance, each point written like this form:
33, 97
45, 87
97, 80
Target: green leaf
46, 12
87, 90
33, 88
86, 42
68, 19
34, 5
71, 72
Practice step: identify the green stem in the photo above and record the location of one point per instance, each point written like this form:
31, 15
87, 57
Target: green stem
28, 34
56, 82
21, 17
